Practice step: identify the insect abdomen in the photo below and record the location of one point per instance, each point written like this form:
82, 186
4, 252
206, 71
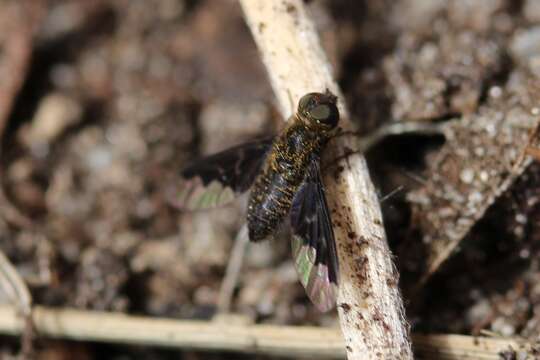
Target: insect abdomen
273, 192
270, 201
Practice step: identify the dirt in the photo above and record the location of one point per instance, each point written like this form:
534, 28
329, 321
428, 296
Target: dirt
119, 95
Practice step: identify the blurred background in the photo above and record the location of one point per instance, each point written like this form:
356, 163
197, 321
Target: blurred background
102, 103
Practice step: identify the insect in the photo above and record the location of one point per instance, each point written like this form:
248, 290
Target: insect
283, 177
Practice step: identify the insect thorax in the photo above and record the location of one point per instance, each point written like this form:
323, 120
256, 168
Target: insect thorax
285, 168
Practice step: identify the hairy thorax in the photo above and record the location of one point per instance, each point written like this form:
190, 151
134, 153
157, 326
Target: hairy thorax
284, 170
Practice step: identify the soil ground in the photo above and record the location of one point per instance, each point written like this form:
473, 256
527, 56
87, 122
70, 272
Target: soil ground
119, 95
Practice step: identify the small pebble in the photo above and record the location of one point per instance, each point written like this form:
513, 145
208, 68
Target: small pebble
55, 113
467, 176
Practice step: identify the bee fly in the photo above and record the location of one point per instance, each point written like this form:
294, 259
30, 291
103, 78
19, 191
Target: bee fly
284, 178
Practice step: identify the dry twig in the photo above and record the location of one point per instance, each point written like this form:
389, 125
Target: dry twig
291, 341
18, 22
369, 302
233, 270
19, 295
14, 287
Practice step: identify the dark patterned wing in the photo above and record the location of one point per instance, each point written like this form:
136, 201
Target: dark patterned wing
219, 178
313, 244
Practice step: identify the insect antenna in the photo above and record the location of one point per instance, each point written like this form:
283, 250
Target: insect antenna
415, 177
367, 141
391, 194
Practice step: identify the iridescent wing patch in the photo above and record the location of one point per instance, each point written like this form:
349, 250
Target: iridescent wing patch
218, 179
313, 244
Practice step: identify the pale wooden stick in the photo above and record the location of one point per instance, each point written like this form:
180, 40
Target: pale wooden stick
14, 286
290, 341
123, 329
449, 347
232, 272
17, 292
369, 301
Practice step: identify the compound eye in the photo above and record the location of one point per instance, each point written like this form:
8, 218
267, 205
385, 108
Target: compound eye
305, 102
325, 114
320, 113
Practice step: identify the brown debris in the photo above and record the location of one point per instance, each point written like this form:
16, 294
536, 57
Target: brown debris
441, 74
481, 158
